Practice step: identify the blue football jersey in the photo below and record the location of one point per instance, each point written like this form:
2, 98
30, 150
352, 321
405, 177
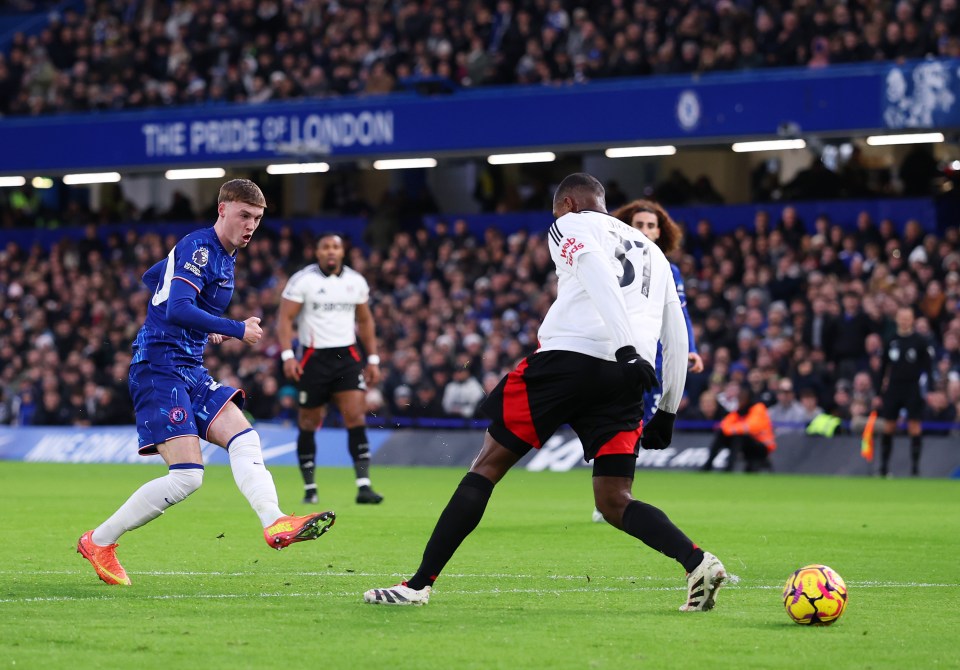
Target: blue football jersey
682, 293
199, 259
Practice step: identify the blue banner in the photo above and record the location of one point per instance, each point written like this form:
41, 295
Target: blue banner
719, 106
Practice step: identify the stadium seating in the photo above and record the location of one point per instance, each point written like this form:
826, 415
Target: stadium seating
448, 295
140, 55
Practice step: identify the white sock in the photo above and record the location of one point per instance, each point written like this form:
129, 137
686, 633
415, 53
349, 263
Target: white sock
149, 501
363, 481
253, 479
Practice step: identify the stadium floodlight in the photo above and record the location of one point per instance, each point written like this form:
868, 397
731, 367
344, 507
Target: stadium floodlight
297, 168
41, 182
767, 145
911, 138
12, 181
404, 163
513, 159
632, 152
91, 178
195, 173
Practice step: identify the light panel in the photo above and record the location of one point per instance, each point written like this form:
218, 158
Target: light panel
195, 173
404, 163
513, 159
297, 168
911, 138
768, 145
631, 152
91, 178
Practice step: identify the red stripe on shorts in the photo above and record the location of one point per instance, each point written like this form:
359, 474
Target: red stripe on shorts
516, 407
354, 353
306, 357
621, 443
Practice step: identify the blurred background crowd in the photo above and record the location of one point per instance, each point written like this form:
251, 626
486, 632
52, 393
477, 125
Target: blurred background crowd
129, 54
796, 310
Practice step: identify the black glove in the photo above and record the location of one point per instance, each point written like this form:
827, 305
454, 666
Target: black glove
639, 373
659, 432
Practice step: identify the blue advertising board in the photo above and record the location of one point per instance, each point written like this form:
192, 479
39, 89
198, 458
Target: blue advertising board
718, 106
118, 444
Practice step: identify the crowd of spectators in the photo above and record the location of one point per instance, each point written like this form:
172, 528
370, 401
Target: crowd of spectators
798, 315
151, 53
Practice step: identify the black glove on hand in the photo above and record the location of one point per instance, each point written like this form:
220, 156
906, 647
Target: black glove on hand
639, 373
659, 432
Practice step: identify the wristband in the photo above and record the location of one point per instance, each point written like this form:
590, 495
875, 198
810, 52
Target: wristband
287, 354
373, 359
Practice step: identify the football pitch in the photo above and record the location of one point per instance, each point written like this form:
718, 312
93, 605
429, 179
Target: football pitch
537, 585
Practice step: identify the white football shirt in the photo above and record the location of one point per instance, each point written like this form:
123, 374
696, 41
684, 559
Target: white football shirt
615, 289
328, 316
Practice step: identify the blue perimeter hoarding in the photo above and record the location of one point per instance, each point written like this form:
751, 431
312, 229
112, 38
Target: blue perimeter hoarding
865, 97
118, 444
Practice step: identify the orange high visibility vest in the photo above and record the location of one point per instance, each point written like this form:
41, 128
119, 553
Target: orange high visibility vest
756, 423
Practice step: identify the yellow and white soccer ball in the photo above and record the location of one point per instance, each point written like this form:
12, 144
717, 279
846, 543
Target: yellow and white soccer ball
815, 595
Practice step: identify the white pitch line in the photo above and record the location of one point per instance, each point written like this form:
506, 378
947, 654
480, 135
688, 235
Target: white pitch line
388, 575
346, 573
486, 592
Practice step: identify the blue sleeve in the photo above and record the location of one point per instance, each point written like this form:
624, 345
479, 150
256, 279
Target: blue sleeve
182, 311
682, 292
151, 278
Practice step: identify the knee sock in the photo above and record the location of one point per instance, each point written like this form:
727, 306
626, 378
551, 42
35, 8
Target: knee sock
652, 527
360, 453
886, 448
307, 454
458, 520
149, 501
916, 446
252, 477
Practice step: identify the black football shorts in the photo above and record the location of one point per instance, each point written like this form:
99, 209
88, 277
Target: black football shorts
552, 388
329, 371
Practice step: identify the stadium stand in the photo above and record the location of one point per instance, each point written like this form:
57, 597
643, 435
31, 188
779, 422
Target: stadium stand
130, 55
761, 298
762, 312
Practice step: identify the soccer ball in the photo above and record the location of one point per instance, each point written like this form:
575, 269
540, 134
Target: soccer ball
815, 595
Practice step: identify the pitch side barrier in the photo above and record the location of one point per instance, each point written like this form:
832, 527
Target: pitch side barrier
440, 445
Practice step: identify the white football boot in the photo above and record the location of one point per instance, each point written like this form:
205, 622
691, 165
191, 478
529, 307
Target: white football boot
702, 584
399, 594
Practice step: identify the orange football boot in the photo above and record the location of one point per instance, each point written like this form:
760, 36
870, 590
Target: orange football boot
103, 559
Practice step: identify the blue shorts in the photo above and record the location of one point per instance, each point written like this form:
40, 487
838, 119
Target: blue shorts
650, 401
175, 401
651, 398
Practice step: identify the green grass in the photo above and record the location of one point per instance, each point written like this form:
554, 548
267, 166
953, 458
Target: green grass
537, 585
